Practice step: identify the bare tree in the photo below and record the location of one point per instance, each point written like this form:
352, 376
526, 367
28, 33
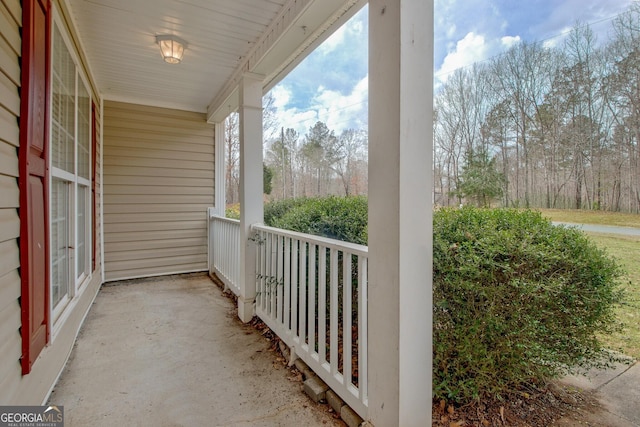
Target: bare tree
352, 147
461, 108
232, 145
281, 155
625, 99
562, 123
232, 158
523, 75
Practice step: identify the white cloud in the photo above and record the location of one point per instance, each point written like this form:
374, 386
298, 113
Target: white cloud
357, 27
298, 119
451, 31
333, 41
551, 43
281, 96
470, 49
337, 110
508, 41
340, 111
352, 29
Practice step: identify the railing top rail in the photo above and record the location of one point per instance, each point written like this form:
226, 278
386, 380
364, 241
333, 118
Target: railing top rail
224, 219
340, 245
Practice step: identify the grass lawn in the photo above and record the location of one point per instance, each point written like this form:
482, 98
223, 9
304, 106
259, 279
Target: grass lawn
592, 217
626, 249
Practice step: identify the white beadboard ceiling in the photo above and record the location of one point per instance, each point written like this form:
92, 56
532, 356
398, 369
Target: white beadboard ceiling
225, 39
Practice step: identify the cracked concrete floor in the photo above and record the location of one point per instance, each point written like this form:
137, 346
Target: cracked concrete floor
169, 351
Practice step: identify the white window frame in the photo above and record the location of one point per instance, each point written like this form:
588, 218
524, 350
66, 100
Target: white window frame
76, 280
81, 278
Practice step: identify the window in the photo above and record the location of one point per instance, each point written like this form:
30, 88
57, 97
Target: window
70, 188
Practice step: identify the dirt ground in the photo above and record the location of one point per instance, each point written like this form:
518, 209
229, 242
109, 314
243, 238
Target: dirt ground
555, 405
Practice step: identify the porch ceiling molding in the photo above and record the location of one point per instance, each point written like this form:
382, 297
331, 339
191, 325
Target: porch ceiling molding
301, 26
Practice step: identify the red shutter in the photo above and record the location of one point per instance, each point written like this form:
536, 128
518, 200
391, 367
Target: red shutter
33, 181
94, 225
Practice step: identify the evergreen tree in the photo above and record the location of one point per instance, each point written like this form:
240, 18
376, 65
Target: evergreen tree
480, 180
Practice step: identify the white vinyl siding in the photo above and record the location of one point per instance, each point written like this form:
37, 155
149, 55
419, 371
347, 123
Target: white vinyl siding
10, 321
158, 184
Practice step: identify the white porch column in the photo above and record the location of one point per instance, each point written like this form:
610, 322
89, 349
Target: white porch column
251, 203
220, 192
400, 211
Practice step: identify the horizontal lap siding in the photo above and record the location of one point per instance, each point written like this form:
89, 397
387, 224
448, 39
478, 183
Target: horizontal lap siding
158, 184
10, 341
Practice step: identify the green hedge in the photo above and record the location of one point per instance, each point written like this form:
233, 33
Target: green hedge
517, 301
276, 209
342, 218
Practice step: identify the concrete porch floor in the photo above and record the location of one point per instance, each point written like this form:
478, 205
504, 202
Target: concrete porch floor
169, 351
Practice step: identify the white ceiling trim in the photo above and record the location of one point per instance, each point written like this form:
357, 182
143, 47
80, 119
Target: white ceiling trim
151, 103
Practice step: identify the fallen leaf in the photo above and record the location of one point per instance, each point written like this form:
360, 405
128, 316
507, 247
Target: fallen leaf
450, 409
456, 424
443, 405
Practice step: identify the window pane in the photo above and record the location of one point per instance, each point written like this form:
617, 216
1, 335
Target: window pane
70, 151
81, 237
59, 240
63, 105
84, 134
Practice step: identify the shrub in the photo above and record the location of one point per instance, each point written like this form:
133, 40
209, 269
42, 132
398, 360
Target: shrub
516, 301
278, 208
272, 210
233, 211
342, 218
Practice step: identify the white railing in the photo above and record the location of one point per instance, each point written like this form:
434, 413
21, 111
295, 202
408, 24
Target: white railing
312, 292
224, 250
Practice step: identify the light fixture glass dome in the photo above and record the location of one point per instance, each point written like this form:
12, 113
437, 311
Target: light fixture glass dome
171, 47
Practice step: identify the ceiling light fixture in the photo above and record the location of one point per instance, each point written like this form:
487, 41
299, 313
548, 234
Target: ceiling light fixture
171, 47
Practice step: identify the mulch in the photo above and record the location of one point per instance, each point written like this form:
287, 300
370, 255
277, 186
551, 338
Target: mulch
532, 408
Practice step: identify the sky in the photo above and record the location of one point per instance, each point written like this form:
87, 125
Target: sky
331, 84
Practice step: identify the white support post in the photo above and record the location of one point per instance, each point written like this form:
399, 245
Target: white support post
220, 195
251, 203
400, 211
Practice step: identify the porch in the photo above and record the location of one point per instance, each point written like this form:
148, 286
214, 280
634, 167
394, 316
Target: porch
171, 351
